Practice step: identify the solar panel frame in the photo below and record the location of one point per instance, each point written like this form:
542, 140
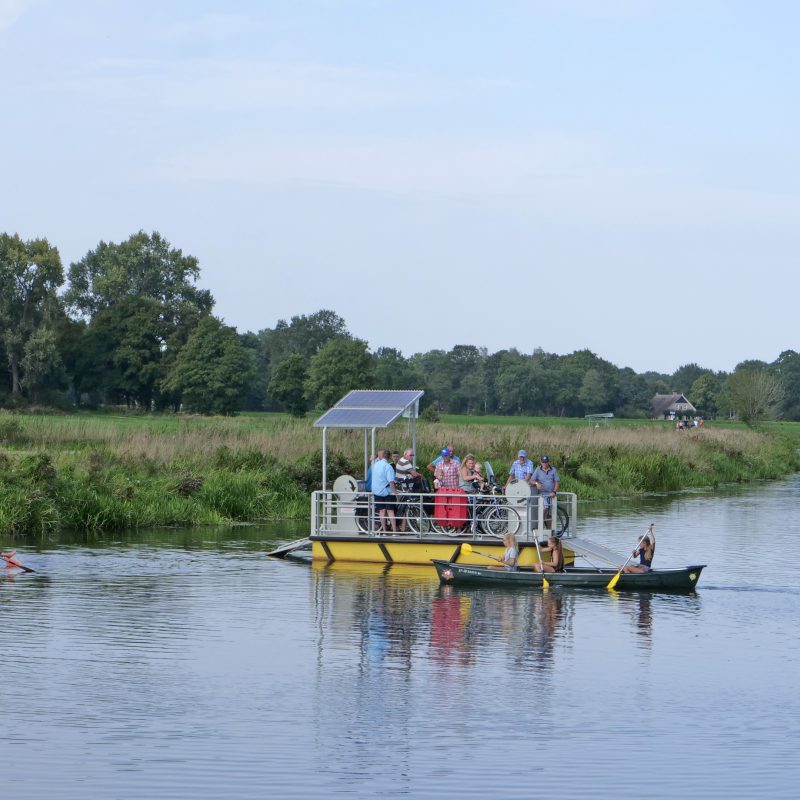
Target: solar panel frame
358, 418
369, 408
379, 398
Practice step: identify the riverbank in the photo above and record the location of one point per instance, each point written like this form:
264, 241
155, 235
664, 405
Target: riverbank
108, 472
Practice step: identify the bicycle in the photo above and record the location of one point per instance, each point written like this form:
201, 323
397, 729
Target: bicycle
562, 517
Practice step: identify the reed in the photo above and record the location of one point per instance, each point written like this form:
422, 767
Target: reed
101, 472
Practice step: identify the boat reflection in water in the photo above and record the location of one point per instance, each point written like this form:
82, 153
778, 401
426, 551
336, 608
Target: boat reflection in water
400, 614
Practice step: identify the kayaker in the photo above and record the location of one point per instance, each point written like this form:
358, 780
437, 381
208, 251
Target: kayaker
511, 554
556, 563
645, 552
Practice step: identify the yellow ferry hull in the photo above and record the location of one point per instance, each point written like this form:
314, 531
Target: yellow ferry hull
404, 550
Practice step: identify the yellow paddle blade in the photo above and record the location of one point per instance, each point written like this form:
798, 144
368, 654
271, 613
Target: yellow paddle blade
613, 582
466, 547
545, 583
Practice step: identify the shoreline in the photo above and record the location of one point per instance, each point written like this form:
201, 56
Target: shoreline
100, 473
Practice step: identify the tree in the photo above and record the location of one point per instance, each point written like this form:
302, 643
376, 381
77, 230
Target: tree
704, 394
341, 365
141, 295
30, 274
392, 371
755, 395
787, 368
685, 376
41, 363
288, 384
212, 372
594, 394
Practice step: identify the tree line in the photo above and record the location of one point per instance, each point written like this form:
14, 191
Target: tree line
128, 324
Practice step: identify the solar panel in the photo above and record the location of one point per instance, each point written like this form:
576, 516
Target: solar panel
358, 418
370, 408
379, 398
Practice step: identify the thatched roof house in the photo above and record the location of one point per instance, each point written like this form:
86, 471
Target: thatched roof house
671, 405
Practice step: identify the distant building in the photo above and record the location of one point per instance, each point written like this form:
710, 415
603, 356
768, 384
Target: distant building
669, 406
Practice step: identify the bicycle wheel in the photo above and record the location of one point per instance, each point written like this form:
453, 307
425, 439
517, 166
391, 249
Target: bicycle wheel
499, 520
562, 522
362, 523
415, 516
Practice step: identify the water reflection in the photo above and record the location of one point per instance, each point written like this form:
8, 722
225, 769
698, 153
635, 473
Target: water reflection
403, 619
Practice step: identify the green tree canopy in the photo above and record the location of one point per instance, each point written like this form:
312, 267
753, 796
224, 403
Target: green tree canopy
341, 365
288, 384
212, 372
755, 395
30, 274
143, 303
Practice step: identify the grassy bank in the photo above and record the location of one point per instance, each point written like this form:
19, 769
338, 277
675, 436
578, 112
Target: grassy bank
110, 472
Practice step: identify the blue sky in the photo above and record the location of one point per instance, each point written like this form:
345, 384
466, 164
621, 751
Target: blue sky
615, 175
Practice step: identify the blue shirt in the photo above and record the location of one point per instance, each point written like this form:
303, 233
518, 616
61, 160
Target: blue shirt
521, 471
382, 475
548, 479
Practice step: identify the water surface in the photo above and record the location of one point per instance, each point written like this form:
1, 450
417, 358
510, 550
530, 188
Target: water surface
186, 664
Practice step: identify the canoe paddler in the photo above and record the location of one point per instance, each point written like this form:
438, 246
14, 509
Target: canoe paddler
13, 563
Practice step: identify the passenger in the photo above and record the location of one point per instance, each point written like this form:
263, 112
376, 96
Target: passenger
471, 479
447, 471
383, 487
521, 469
645, 552
407, 479
556, 563
405, 471
545, 480
438, 460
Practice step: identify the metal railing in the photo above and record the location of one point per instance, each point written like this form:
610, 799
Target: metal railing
443, 513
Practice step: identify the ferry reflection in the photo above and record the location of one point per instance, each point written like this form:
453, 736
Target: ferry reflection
400, 613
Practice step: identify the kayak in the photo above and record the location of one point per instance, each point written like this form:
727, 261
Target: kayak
680, 579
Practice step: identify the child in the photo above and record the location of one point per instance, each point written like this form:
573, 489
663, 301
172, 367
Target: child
556, 560
512, 552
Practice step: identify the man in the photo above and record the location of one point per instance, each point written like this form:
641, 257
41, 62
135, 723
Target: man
405, 471
446, 471
545, 481
438, 460
383, 487
521, 469
406, 478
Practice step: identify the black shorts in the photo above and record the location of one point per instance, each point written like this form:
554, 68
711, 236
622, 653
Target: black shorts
386, 503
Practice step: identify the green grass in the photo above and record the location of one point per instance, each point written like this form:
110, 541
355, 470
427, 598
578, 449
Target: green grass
114, 471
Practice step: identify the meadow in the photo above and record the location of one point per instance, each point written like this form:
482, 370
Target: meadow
103, 471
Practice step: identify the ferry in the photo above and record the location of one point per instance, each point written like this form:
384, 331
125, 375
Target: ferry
345, 523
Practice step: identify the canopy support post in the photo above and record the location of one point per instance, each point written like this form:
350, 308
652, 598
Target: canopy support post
324, 459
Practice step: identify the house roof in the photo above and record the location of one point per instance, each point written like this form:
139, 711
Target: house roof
664, 403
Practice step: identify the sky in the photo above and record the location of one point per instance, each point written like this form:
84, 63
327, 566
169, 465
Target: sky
617, 175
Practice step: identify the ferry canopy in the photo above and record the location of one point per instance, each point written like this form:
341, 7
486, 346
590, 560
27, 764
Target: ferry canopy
371, 408
367, 410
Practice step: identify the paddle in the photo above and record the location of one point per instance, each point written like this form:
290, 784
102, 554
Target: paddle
545, 582
13, 562
613, 582
467, 548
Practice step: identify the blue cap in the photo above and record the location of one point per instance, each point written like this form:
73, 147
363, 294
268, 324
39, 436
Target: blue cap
446, 452
545, 458
523, 453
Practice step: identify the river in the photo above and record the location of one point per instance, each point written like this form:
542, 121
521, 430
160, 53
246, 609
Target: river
186, 664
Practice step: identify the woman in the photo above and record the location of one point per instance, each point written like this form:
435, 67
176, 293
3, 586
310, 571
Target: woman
645, 552
511, 554
556, 564
471, 480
